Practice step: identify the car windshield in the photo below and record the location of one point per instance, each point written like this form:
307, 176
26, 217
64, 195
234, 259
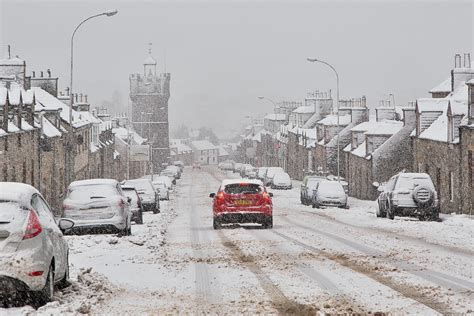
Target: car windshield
243, 188
312, 182
330, 188
284, 177
132, 194
409, 183
141, 186
91, 191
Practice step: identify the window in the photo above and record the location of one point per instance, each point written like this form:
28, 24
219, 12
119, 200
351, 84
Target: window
19, 140
44, 212
451, 187
438, 181
24, 171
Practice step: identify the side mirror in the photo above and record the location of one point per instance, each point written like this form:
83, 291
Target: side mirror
380, 188
212, 195
65, 224
129, 199
270, 194
375, 184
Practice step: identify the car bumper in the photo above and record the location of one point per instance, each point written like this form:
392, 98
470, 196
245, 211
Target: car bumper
242, 217
281, 186
332, 203
114, 223
135, 213
14, 271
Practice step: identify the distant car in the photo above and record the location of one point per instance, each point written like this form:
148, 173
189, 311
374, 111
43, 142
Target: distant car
135, 204
147, 193
281, 181
179, 164
34, 255
175, 170
252, 174
271, 171
226, 165
329, 193
408, 194
196, 165
163, 191
237, 167
165, 180
245, 169
98, 205
261, 171
242, 201
307, 187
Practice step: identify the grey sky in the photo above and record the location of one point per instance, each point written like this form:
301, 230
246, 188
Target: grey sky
222, 55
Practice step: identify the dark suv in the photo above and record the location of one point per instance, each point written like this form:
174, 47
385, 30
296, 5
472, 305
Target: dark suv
408, 194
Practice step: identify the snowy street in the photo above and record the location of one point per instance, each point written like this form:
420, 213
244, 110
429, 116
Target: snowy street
329, 260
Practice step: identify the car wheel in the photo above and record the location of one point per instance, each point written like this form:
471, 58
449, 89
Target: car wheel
139, 219
156, 210
216, 223
64, 283
435, 215
46, 294
379, 212
129, 231
389, 213
268, 222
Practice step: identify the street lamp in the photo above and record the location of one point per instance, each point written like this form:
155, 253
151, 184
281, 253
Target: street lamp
314, 60
106, 13
264, 98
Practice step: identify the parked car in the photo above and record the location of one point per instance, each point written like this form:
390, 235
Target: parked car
408, 194
34, 255
149, 197
271, 171
242, 201
179, 164
281, 181
252, 174
196, 165
237, 167
170, 174
135, 204
226, 165
163, 192
175, 170
329, 193
261, 173
307, 187
98, 205
165, 180
244, 169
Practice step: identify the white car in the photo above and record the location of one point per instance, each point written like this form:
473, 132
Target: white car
163, 191
33, 250
98, 205
271, 171
281, 181
329, 193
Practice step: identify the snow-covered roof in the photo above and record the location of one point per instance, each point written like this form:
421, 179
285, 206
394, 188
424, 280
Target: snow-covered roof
122, 133
14, 93
258, 136
360, 150
203, 145
180, 147
444, 86
94, 181
305, 109
12, 62
223, 152
331, 120
46, 101
275, 117
237, 181
385, 127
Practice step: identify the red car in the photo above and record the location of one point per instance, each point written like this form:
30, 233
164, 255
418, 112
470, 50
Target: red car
242, 201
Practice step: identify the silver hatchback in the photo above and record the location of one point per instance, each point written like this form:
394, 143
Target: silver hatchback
33, 251
98, 205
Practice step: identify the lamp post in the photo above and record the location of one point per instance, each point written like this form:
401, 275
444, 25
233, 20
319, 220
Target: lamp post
268, 99
69, 156
315, 60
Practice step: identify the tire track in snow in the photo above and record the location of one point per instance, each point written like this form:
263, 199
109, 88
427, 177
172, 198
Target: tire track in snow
403, 289
282, 304
429, 275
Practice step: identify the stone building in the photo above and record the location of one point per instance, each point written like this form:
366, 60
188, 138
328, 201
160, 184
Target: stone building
150, 93
205, 152
443, 142
378, 149
181, 151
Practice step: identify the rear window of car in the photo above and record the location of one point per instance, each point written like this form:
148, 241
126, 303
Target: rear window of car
141, 185
243, 188
89, 192
9, 209
411, 182
330, 187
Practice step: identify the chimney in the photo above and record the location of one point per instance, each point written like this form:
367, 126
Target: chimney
467, 60
85, 97
41, 73
49, 73
470, 102
457, 61
67, 91
409, 117
80, 97
34, 73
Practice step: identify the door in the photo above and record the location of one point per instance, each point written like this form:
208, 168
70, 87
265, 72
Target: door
54, 234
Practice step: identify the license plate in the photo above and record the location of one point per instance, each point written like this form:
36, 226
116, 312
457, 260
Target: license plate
243, 202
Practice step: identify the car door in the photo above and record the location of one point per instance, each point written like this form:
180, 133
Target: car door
53, 232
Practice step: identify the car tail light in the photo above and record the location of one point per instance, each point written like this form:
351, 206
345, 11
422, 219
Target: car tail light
266, 197
220, 198
121, 203
68, 206
36, 273
33, 227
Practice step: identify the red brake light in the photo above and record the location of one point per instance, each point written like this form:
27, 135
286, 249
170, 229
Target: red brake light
266, 197
33, 228
36, 273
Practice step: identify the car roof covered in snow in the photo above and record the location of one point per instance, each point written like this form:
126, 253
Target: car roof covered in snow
94, 182
237, 181
17, 192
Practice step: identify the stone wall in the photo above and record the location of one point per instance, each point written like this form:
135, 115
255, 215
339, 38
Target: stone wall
467, 169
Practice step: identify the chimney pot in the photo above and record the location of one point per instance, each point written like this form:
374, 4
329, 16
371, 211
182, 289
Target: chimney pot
85, 97
33, 73
41, 73
67, 91
467, 60
457, 61
80, 97
49, 73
